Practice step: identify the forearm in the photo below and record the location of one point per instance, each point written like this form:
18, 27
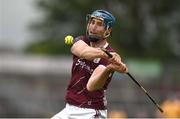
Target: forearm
82, 50
98, 78
90, 53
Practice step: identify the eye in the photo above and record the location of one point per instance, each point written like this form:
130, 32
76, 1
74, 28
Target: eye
93, 22
100, 23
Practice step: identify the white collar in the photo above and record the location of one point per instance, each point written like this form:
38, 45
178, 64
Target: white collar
105, 46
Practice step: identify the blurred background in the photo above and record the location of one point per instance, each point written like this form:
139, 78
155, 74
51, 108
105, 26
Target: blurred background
35, 65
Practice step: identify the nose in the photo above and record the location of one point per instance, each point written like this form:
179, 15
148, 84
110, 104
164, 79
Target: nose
94, 26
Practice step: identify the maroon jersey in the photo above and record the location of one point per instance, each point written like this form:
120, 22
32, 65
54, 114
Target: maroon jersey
82, 69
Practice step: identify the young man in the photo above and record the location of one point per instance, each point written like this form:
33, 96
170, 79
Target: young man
92, 70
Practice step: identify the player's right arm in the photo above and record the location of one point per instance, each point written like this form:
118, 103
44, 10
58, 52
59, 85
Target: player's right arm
82, 50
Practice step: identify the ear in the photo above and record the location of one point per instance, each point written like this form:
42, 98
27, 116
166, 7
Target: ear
108, 31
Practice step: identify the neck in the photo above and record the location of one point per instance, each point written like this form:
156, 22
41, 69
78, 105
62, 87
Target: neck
99, 43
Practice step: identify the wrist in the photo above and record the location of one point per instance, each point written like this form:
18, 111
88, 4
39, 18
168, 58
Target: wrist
109, 68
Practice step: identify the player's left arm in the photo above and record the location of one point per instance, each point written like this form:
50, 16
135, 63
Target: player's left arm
98, 78
102, 73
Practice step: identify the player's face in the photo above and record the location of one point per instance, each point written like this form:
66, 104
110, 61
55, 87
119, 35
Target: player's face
96, 27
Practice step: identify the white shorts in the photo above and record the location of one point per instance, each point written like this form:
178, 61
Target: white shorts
74, 112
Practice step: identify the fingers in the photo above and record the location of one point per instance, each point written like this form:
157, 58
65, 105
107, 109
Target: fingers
122, 68
115, 58
104, 54
117, 64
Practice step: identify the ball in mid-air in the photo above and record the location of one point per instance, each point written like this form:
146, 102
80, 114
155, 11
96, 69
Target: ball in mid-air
68, 40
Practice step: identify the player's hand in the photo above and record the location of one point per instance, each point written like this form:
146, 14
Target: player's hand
119, 68
116, 64
116, 59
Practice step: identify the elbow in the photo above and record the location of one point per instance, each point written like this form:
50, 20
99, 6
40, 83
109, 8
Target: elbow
92, 88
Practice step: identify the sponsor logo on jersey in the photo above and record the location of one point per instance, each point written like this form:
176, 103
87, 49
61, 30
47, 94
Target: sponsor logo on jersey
83, 65
96, 60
